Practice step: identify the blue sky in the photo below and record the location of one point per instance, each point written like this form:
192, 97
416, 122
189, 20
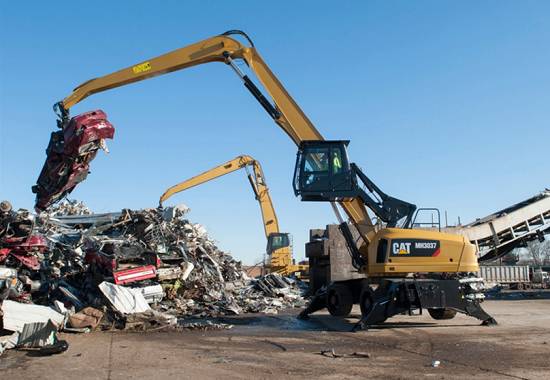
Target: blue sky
446, 103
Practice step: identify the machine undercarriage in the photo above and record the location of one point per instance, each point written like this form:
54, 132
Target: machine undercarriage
441, 297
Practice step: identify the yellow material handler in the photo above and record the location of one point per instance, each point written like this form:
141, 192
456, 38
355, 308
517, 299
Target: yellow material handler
408, 270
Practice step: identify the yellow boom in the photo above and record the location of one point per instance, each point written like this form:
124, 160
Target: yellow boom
286, 112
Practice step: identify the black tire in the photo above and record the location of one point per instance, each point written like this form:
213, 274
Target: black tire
441, 313
339, 300
366, 302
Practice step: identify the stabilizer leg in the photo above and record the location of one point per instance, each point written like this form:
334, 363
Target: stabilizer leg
377, 314
475, 310
318, 302
386, 301
405, 295
464, 296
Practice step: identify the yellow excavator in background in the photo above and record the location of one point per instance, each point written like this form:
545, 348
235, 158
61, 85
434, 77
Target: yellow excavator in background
279, 245
407, 269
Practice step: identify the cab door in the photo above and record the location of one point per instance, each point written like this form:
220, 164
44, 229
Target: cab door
315, 175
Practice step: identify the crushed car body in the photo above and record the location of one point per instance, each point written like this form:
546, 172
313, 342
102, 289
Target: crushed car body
69, 154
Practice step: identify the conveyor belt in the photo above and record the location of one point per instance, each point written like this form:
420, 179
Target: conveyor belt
501, 232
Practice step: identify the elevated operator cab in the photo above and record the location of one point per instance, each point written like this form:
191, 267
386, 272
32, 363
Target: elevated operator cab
323, 171
277, 241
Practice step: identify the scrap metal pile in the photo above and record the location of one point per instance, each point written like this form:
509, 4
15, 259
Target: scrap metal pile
76, 270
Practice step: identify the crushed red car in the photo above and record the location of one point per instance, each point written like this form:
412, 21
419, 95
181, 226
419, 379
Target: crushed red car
27, 253
21, 252
19, 246
69, 154
123, 262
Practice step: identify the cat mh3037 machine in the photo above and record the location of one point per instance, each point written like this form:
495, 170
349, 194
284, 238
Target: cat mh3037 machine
279, 247
407, 269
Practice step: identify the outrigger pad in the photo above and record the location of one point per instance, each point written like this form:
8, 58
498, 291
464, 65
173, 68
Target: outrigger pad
474, 309
489, 322
69, 154
318, 302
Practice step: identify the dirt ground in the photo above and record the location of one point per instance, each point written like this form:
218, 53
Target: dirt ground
281, 346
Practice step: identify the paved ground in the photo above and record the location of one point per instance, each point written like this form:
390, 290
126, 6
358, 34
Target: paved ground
283, 347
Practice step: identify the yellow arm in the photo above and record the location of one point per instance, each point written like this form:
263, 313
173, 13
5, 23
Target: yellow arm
285, 112
280, 253
257, 181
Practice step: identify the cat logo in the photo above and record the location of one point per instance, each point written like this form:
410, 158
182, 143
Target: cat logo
415, 248
401, 248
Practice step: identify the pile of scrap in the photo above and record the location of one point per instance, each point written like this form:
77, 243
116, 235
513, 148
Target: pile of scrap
69, 269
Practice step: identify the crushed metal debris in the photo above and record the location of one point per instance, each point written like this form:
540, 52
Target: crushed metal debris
135, 269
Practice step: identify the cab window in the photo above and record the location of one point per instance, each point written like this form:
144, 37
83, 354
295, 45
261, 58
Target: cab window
316, 166
277, 242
